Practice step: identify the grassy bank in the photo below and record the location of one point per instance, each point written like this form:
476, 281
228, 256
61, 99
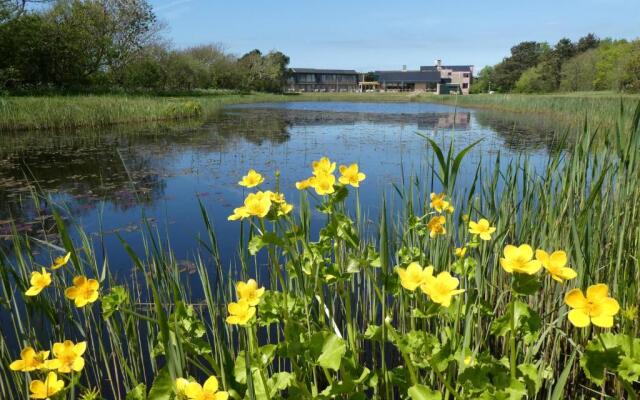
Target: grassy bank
64, 112
598, 108
337, 319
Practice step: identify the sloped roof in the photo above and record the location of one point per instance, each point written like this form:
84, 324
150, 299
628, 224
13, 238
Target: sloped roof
457, 68
408, 76
324, 71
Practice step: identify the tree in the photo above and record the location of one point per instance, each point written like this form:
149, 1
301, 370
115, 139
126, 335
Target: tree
532, 81
523, 56
483, 83
578, 73
587, 42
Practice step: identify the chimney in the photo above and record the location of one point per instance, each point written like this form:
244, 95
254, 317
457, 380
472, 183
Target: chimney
439, 64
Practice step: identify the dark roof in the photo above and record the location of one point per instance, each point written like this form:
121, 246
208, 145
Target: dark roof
457, 68
408, 76
324, 71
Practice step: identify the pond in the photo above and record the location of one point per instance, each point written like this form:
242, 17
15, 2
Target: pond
110, 180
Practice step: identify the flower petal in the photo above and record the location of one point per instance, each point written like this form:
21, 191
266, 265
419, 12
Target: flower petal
603, 321
597, 293
579, 318
575, 299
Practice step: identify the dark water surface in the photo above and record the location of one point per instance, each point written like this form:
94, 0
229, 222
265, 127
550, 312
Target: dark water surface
109, 180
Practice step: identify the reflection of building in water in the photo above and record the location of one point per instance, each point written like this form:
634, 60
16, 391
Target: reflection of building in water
457, 121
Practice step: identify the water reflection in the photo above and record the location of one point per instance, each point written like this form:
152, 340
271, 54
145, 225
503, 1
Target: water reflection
108, 178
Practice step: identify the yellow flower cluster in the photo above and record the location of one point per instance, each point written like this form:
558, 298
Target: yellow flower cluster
67, 359
440, 204
595, 308
482, 228
260, 203
194, 391
84, 291
440, 288
248, 294
323, 179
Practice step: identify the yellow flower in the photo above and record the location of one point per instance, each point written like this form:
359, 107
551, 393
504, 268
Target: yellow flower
460, 251
30, 360
469, 361
350, 175
519, 259
596, 308
251, 179
257, 204
61, 261
555, 263
323, 184
285, 208
481, 228
39, 281
413, 276
240, 313
209, 391
249, 292
83, 292
68, 357
181, 387
439, 203
238, 213
436, 226
46, 389
323, 166
441, 288
275, 197
305, 184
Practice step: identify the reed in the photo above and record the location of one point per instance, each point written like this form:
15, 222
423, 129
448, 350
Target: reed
336, 320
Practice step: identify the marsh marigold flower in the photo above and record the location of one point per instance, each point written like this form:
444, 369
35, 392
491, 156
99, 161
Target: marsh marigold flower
83, 292
39, 281
439, 203
43, 390
30, 360
249, 292
519, 259
258, 204
238, 213
351, 175
555, 263
436, 226
413, 276
61, 261
284, 209
323, 184
208, 391
251, 179
441, 288
305, 184
68, 357
181, 386
460, 251
597, 308
240, 313
481, 228
323, 166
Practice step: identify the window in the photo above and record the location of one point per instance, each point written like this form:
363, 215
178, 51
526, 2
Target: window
465, 85
466, 74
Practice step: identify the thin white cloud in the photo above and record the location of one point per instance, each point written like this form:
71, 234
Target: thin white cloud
172, 4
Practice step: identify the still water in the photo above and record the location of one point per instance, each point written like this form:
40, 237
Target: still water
109, 180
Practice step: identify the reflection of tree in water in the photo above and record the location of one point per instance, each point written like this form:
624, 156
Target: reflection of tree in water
525, 132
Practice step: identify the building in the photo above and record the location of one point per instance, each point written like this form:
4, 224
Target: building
322, 80
459, 77
439, 79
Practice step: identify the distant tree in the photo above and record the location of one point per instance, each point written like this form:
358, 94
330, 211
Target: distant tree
523, 56
587, 42
483, 83
10, 9
630, 81
610, 65
578, 73
532, 81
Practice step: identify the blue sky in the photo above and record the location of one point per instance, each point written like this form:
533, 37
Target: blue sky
369, 35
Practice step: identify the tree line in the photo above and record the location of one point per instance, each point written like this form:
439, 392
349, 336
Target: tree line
589, 64
116, 44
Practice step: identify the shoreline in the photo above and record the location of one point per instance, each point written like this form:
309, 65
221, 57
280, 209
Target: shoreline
23, 113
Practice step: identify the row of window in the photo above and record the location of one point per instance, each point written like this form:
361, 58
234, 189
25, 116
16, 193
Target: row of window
326, 78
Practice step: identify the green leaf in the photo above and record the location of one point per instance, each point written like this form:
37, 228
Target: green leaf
137, 393
558, 389
528, 322
258, 242
421, 392
531, 378
525, 284
629, 369
162, 388
112, 302
333, 349
240, 368
595, 360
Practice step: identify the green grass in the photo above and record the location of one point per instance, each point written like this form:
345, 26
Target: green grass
338, 320
92, 111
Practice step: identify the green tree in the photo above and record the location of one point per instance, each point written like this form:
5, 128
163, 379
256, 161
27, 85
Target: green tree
523, 56
578, 73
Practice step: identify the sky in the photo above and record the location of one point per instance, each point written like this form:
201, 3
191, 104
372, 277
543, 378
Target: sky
379, 35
